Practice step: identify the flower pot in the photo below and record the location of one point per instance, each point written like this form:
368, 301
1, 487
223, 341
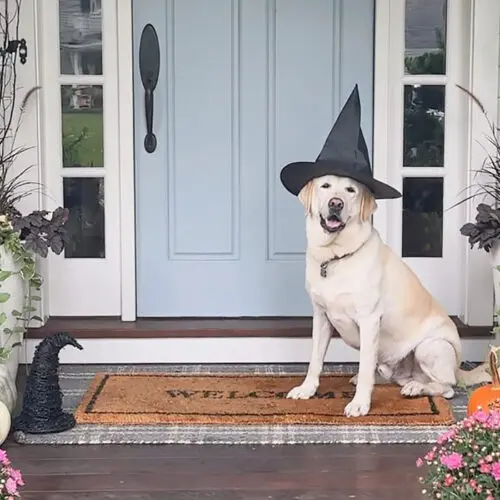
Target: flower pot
495, 263
15, 286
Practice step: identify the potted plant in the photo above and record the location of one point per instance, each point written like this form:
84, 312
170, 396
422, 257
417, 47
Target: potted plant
22, 236
465, 462
485, 230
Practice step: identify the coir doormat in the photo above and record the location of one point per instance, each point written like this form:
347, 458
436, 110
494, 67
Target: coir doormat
151, 399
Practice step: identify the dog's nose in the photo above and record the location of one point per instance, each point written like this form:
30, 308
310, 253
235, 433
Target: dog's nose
336, 204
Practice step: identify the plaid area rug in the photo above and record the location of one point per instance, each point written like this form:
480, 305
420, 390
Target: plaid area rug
75, 381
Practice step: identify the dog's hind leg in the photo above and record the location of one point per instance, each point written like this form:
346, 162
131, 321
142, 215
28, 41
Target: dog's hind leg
381, 376
403, 372
321, 334
399, 373
434, 372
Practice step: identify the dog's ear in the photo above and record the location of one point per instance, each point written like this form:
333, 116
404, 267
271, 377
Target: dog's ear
306, 197
368, 205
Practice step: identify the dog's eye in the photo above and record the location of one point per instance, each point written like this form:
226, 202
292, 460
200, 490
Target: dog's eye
350, 189
325, 185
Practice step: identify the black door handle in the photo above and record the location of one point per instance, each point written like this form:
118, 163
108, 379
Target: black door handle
149, 67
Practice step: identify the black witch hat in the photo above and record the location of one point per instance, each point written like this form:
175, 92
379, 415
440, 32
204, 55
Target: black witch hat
344, 154
42, 411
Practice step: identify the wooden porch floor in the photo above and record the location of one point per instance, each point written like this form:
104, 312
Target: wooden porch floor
308, 472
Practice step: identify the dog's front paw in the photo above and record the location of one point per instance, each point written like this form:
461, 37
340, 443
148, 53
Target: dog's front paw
354, 380
304, 391
412, 389
357, 408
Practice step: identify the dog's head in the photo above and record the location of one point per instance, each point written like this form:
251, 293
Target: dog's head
335, 202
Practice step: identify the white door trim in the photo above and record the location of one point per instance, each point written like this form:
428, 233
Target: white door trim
381, 101
126, 134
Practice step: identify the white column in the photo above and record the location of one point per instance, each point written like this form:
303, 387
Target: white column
484, 85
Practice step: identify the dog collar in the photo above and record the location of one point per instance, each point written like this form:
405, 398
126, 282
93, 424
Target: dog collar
323, 268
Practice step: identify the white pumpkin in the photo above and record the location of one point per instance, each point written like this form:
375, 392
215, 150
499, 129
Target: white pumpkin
5, 421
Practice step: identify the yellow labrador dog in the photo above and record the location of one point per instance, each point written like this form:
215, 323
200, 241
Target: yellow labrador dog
359, 286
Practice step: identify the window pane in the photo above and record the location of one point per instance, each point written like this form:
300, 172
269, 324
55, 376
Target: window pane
84, 197
80, 35
424, 125
422, 217
425, 37
82, 126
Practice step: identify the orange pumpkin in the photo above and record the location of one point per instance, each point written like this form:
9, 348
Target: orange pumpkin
487, 397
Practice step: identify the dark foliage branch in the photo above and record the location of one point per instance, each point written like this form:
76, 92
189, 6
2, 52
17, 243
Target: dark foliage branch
485, 231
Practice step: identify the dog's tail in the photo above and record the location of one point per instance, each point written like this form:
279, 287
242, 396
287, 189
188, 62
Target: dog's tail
478, 375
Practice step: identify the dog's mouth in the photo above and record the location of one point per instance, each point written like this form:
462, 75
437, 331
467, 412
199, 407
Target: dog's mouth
332, 224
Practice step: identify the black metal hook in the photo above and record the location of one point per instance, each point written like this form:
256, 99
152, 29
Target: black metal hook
13, 46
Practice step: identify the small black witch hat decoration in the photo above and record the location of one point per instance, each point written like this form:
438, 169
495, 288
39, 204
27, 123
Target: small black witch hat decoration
42, 411
344, 154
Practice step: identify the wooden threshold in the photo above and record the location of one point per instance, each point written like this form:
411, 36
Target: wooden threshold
110, 328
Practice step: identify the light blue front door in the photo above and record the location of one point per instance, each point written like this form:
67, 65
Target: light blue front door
245, 86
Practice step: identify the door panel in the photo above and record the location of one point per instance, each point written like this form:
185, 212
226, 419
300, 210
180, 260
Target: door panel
245, 87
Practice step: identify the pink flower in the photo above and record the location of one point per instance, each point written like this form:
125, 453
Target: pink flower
481, 416
490, 497
420, 462
429, 456
485, 468
494, 420
3, 455
449, 480
17, 476
447, 436
495, 471
452, 461
11, 486
472, 483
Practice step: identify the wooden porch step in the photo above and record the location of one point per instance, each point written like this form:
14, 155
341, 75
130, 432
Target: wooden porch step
107, 328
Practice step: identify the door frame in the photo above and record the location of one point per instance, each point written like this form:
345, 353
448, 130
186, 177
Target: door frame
479, 25
456, 148
63, 277
478, 298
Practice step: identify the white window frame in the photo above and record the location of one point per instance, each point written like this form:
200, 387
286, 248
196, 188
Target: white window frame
81, 287
466, 65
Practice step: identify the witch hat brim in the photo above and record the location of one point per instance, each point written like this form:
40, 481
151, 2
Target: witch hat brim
344, 154
28, 425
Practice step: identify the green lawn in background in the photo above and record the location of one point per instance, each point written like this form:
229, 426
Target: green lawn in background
83, 138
